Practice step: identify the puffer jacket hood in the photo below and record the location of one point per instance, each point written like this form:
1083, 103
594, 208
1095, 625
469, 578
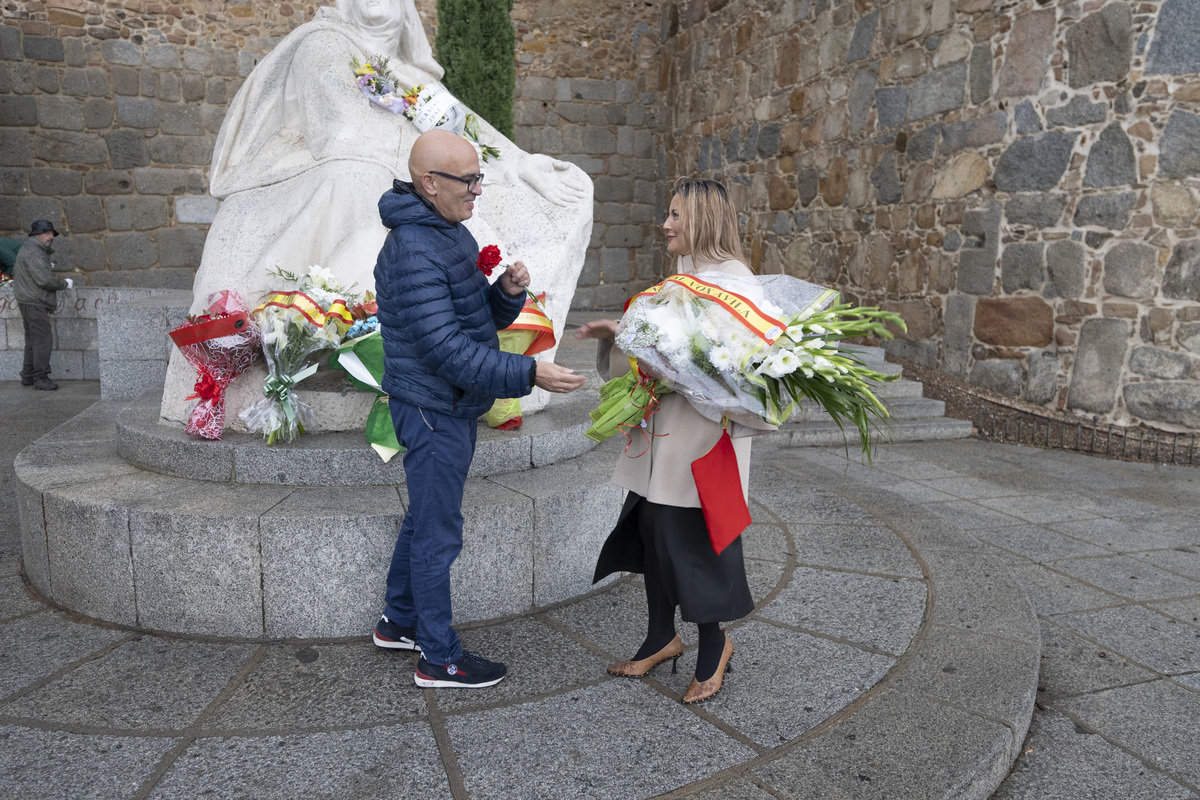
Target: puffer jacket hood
439, 316
403, 206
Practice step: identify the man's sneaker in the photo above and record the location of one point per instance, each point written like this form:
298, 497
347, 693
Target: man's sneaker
45, 385
471, 671
394, 637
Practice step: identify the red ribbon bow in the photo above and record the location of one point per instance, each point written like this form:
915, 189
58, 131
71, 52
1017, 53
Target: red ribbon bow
206, 389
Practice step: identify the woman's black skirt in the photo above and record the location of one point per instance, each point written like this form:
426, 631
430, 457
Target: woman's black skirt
707, 587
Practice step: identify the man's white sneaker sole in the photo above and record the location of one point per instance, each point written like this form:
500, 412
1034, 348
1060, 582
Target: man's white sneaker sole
401, 644
434, 683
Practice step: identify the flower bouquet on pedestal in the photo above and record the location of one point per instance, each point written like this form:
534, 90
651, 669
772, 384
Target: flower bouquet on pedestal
360, 356
295, 326
737, 345
428, 108
220, 345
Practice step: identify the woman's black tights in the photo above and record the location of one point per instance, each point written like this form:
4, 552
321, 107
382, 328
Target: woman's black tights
660, 626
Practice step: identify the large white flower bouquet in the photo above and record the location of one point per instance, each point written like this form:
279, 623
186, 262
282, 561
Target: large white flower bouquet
736, 345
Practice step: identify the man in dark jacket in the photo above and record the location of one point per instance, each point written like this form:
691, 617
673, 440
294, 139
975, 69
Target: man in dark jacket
35, 287
442, 369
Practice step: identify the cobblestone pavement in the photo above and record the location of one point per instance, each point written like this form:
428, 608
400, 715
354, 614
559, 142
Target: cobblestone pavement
888, 656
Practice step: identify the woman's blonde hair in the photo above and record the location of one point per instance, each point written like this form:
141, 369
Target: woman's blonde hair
709, 220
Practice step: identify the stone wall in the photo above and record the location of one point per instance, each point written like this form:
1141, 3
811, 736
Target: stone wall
109, 112
1017, 179
108, 115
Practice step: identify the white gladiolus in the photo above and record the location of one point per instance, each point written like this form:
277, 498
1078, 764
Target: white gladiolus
780, 364
822, 363
787, 362
320, 276
814, 344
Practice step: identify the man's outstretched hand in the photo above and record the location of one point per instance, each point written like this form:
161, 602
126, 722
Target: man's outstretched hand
553, 378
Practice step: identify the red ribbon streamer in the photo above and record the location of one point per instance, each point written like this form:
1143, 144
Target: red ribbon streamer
651, 408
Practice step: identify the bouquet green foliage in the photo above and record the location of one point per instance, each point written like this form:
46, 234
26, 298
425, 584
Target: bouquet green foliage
625, 403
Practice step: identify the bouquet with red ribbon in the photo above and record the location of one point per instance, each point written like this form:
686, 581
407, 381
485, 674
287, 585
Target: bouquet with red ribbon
220, 345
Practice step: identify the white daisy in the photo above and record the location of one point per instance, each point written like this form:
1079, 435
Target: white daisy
722, 358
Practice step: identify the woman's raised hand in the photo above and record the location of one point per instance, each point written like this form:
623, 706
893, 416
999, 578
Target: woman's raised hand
600, 329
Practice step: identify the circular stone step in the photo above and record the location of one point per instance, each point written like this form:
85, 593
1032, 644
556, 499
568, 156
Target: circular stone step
339, 458
158, 552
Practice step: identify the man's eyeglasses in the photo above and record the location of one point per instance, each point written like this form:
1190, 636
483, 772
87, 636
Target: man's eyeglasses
472, 182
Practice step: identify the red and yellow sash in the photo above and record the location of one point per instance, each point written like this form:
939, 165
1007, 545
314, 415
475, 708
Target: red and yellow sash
764, 327
338, 312
533, 318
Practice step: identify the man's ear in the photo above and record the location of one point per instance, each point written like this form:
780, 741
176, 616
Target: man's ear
428, 185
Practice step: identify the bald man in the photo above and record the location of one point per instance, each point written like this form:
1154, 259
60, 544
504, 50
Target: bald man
443, 369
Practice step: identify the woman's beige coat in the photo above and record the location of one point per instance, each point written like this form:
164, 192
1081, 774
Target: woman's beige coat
678, 434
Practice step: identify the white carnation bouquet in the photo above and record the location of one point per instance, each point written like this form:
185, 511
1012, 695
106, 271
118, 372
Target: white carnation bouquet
734, 345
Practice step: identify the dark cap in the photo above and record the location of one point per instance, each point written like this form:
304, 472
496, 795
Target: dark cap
41, 226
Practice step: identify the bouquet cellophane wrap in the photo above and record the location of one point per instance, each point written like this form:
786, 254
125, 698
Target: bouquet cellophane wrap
219, 349
704, 346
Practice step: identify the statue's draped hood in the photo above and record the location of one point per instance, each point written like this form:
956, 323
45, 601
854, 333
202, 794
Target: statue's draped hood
242, 159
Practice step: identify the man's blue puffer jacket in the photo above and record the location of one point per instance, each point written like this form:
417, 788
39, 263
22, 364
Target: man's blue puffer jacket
439, 316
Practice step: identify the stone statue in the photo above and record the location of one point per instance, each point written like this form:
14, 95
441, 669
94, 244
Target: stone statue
302, 159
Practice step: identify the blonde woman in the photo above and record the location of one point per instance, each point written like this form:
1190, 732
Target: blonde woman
661, 532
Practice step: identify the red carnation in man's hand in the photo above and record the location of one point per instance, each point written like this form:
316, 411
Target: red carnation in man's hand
489, 257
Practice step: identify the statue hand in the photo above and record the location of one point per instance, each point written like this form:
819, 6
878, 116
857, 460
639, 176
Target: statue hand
554, 180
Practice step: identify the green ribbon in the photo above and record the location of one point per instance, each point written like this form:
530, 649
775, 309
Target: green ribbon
280, 388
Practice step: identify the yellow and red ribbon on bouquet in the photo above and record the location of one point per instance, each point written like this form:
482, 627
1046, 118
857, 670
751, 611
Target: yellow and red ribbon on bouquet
338, 312
744, 310
530, 333
533, 318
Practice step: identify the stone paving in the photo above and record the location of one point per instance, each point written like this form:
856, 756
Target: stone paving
891, 654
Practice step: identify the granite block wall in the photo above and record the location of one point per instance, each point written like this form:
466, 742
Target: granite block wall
1018, 179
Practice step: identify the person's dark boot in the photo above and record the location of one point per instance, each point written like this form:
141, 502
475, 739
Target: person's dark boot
45, 385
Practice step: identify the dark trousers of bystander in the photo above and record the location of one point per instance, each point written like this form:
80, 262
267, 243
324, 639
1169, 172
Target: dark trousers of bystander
439, 449
39, 341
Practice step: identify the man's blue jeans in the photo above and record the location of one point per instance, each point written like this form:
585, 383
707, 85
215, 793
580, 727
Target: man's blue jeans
439, 449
